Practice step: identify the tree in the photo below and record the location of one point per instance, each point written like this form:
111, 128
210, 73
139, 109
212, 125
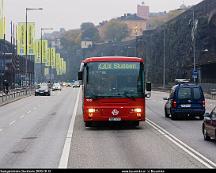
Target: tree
89, 32
116, 31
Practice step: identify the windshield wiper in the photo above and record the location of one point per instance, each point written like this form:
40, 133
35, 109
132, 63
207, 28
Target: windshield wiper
93, 96
128, 96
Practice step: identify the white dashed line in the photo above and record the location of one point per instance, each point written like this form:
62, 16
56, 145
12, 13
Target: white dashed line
28, 112
22, 116
11, 123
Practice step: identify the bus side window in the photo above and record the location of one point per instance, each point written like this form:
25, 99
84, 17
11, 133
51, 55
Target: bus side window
87, 74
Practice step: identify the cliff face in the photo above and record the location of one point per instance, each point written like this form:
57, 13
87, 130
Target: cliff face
173, 43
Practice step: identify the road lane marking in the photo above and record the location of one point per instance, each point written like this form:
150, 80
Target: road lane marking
1, 130
28, 112
195, 154
22, 116
11, 123
66, 150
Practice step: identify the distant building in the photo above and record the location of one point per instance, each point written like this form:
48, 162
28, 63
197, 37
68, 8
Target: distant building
86, 44
153, 14
143, 11
183, 7
56, 43
136, 24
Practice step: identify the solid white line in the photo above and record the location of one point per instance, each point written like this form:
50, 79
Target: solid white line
11, 123
66, 150
202, 159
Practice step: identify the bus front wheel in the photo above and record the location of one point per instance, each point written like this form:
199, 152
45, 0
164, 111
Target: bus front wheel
135, 123
88, 124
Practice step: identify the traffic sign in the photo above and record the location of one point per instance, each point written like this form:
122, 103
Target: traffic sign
195, 74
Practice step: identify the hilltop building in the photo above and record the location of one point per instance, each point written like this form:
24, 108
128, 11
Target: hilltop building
143, 11
137, 23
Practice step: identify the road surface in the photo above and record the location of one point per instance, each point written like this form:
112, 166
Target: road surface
48, 132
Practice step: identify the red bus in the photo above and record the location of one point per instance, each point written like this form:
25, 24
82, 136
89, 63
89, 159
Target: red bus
113, 90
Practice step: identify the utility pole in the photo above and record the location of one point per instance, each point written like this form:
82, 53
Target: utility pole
50, 67
195, 22
26, 46
26, 49
41, 55
42, 29
194, 46
164, 60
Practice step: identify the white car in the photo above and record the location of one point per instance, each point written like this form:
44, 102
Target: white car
76, 84
56, 86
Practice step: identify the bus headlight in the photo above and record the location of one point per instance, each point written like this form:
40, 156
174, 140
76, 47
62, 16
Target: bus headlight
91, 110
137, 110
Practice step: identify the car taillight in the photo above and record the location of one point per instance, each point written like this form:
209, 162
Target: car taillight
203, 103
174, 104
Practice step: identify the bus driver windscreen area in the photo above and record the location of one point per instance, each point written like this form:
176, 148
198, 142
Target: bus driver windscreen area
114, 79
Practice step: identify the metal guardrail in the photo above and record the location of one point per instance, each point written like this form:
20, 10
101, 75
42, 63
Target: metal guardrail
213, 93
15, 94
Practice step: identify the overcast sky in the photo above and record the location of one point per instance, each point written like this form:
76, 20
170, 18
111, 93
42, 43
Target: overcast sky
69, 14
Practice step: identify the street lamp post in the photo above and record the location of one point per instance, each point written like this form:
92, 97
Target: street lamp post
194, 48
195, 22
164, 61
26, 53
42, 29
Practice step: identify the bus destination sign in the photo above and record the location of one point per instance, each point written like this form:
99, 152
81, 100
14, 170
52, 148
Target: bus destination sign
118, 66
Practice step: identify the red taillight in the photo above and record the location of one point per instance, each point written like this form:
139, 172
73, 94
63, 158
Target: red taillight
174, 104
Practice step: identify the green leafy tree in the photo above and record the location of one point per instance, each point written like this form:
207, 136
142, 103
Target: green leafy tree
116, 31
89, 32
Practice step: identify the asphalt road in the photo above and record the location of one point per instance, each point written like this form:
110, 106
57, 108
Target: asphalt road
33, 130
143, 147
48, 132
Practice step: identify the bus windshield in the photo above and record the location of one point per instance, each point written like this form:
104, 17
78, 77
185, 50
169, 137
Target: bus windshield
114, 80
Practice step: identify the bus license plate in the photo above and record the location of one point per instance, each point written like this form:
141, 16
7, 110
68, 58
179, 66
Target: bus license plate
186, 106
114, 119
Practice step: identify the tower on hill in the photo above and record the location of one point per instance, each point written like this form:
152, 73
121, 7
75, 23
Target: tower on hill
143, 11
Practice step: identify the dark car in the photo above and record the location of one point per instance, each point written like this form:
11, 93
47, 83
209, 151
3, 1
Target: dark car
209, 125
185, 99
42, 89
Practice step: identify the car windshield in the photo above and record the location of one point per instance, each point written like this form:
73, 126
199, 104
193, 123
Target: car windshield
76, 83
43, 86
56, 84
114, 79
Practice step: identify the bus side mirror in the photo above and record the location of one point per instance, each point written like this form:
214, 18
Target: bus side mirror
148, 86
80, 75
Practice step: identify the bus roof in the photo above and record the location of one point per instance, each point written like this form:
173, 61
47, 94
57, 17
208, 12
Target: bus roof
113, 58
